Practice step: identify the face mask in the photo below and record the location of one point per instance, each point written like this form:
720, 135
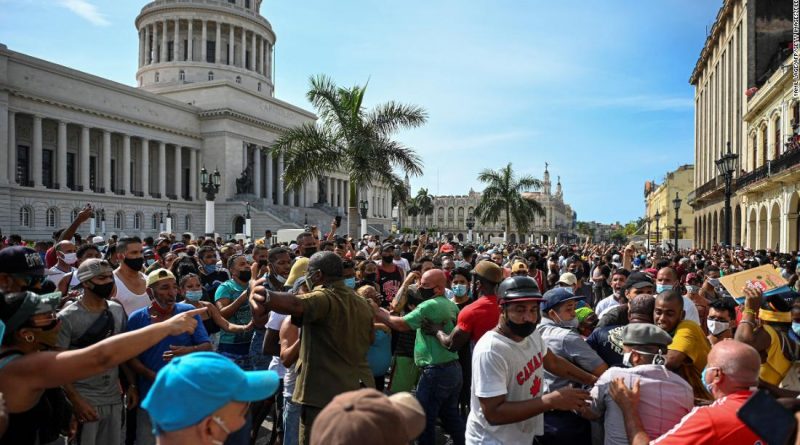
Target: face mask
662, 287
370, 276
521, 329
310, 282
134, 263
626, 359
692, 289
70, 258
460, 290
709, 386
371, 244
162, 252
717, 327
222, 426
427, 293
149, 262
570, 324
309, 251
795, 328
714, 282
210, 268
350, 282
248, 258
194, 295
388, 259
245, 275
279, 278
103, 291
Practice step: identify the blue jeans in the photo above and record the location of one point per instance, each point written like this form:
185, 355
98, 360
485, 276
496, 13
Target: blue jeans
238, 352
438, 392
291, 422
259, 361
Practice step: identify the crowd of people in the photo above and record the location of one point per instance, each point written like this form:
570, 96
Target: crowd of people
184, 340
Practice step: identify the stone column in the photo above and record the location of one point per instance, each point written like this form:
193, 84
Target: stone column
107, 161
176, 46
268, 62
462, 223
164, 54
244, 48
62, 155
126, 164
141, 46
12, 147
178, 171
145, 168
162, 169
36, 149
253, 54
85, 158
340, 191
257, 171
281, 200
346, 194
329, 190
147, 46
218, 44
193, 173
231, 46
269, 178
190, 39
204, 42
257, 44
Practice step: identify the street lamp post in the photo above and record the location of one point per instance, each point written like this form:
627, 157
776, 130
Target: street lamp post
658, 232
160, 221
470, 225
647, 220
210, 183
248, 223
169, 218
726, 165
93, 223
363, 206
677, 204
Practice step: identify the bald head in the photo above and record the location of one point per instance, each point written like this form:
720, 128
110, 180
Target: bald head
738, 361
434, 279
667, 275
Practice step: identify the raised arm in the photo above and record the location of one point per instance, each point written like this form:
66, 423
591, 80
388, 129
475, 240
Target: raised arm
84, 215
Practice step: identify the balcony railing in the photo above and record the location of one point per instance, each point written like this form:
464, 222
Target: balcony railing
709, 186
773, 167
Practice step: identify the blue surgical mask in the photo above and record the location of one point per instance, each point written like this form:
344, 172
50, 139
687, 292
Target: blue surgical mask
460, 290
194, 295
149, 262
692, 289
795, 328
662, 287
210, 268
708, 386
350, 282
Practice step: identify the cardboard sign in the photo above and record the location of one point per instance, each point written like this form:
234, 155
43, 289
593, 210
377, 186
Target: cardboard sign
766, 278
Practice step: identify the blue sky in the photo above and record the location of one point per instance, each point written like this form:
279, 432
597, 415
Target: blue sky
597, 89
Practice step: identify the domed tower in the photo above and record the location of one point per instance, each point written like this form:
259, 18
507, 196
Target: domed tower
197, 41
546, 181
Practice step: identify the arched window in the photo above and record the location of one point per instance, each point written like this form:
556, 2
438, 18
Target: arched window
51, 217
25, 216
119, 220
460, 215
441, 215
450, 215
238, 79
778, 143
154, 222
74, 215
182, 75
157, 76
137, 221
187, 222
210, 75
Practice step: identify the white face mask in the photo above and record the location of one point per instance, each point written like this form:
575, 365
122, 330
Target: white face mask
717, 327
70, 258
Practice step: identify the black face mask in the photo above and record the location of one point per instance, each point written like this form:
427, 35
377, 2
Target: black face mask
370, 276
245, 275
162, 252
388, 259
521, 329
427, 293
307, 252
103, 291
134, 263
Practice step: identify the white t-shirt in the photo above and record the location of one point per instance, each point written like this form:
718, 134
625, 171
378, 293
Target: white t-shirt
501, 366
274, 322
403, 264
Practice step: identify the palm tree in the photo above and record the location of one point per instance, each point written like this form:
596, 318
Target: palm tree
424, 203
503, 195
349, 138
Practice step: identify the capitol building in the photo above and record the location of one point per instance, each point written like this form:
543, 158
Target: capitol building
204, 99
451, 214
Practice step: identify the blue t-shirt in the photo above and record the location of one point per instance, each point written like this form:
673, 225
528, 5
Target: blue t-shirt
607, 343
379, 355
231, 290
153, 358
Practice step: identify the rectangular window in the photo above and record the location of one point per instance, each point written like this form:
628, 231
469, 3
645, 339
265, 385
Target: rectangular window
93, 173
170, 51
113, 175
47, 168
247, 59
71, 171
186, 183
247, 4
23, 165
211, 51
185, 49
228, 54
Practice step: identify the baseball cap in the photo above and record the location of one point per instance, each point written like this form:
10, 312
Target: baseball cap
488, 270
368, 416
98, 240
583, 313
519, 266
21, 260
159, 275
568, 278
447, 248
556, 296
93, 267
299, 268
19, 307
645, 334
638, 280
192, 387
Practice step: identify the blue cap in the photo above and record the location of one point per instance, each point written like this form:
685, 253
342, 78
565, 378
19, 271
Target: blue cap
556, 296
192, 387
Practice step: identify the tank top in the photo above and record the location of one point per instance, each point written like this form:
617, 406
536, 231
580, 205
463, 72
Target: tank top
777, 365
129, 300
389, 283
23, 428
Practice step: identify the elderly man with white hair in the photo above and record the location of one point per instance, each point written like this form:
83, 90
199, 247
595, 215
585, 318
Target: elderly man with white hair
731, 376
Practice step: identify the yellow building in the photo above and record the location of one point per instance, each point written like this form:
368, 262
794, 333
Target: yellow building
660, 207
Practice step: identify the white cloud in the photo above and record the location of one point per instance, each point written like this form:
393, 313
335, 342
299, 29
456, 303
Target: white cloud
86, 10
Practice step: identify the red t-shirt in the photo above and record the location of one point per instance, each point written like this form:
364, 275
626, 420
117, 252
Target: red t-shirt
713, 424
479, 317
50, 258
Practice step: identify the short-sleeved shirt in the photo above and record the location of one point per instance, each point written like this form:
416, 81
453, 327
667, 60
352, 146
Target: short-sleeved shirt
664, 399
502, 366
427, 349
689, 339
479, 317
153, 358
714, 424
570, 345
232, 290
605, 304
607, 343
103, 388
337, 326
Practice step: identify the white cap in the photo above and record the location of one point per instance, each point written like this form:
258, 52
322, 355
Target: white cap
97, 240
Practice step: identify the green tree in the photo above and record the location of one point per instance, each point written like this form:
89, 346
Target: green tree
503, 197
585, 229
349, 138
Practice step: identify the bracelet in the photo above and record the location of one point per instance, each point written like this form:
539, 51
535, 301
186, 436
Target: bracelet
750, 322
749, 311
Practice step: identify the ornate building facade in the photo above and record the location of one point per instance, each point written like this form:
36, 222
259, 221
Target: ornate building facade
450, 214
204, 99
660, 210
